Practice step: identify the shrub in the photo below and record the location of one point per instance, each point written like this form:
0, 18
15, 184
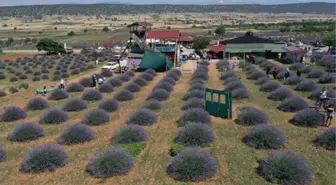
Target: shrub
53, 116
110, 162
233, 85
262, 81
96, 117
26, 131
56, 78
2, 93
37, 73
151, 72
315, 73
176, 148
58, 94
24, 86
280, 94
75, 104
327, 139
57, 73
76, 133
37, 103
164, 85
227, 74
269, 86
106, 88
75, 87
296, 66
12, 113
293, 80
176, 71
143, 117
195, 134
305, 69
129, 134
44, 157
197, 115
293, 104
124, 95
2, 76
306, 85
23, 77
45, 77
133, 87
92, 95
197, 87
254, 75
147, 76
307, 117
13, 79
115, 82
327, 78
3, 154
109, 105
168, 80
252, 116
201, 75
124, 78
192, 164
140, 81
152, 104
75, 72
13, 90
194, 94
158, 94
36, 78
86, 82
194, 103
285, 168
106, 73
130, 73
240, 93
65, 75
264, 137
173, 76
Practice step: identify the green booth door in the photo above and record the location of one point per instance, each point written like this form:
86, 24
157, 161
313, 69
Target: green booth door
218, 103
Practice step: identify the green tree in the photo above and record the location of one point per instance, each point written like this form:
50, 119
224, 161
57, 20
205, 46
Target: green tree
9, 41
85, 30
50, 46
168, 28
106, 29
27, 40
220, 30
209, 32
55, 28
201, 43
330, 39
249, 33
15, 28
71, 34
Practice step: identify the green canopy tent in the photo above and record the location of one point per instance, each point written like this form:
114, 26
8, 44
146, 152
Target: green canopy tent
155, 60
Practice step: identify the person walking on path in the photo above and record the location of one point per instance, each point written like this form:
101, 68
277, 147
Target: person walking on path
323, 97
330, 115
268, 69
275, 72
62, 86
287, 74
94, 79
298, 73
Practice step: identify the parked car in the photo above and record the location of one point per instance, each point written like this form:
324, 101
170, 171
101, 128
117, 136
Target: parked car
114, 66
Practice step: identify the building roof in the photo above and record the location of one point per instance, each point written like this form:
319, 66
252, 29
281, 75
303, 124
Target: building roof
217, 48
163, 34
294, 50
247, 48
186, 38
247, 39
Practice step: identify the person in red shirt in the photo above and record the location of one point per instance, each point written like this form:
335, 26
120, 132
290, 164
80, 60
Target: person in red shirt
275, 72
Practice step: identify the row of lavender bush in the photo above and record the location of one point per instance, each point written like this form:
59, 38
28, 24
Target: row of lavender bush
191, 163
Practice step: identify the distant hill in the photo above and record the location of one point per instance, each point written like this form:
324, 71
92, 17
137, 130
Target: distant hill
113, 9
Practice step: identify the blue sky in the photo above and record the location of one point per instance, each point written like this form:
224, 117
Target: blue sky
30, 2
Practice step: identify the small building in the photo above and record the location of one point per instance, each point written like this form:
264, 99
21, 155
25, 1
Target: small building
186, 40
252, 45
216, 51
165, 41
295, 53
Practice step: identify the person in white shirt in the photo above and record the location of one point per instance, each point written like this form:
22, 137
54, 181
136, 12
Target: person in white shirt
62, 85
323, 97
100, 81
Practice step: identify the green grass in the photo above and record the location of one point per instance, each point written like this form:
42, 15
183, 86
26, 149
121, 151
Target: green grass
133, 148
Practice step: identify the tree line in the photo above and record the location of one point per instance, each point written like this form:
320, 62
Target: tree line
37, 11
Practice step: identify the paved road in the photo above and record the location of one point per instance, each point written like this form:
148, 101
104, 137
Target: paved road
24, 51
